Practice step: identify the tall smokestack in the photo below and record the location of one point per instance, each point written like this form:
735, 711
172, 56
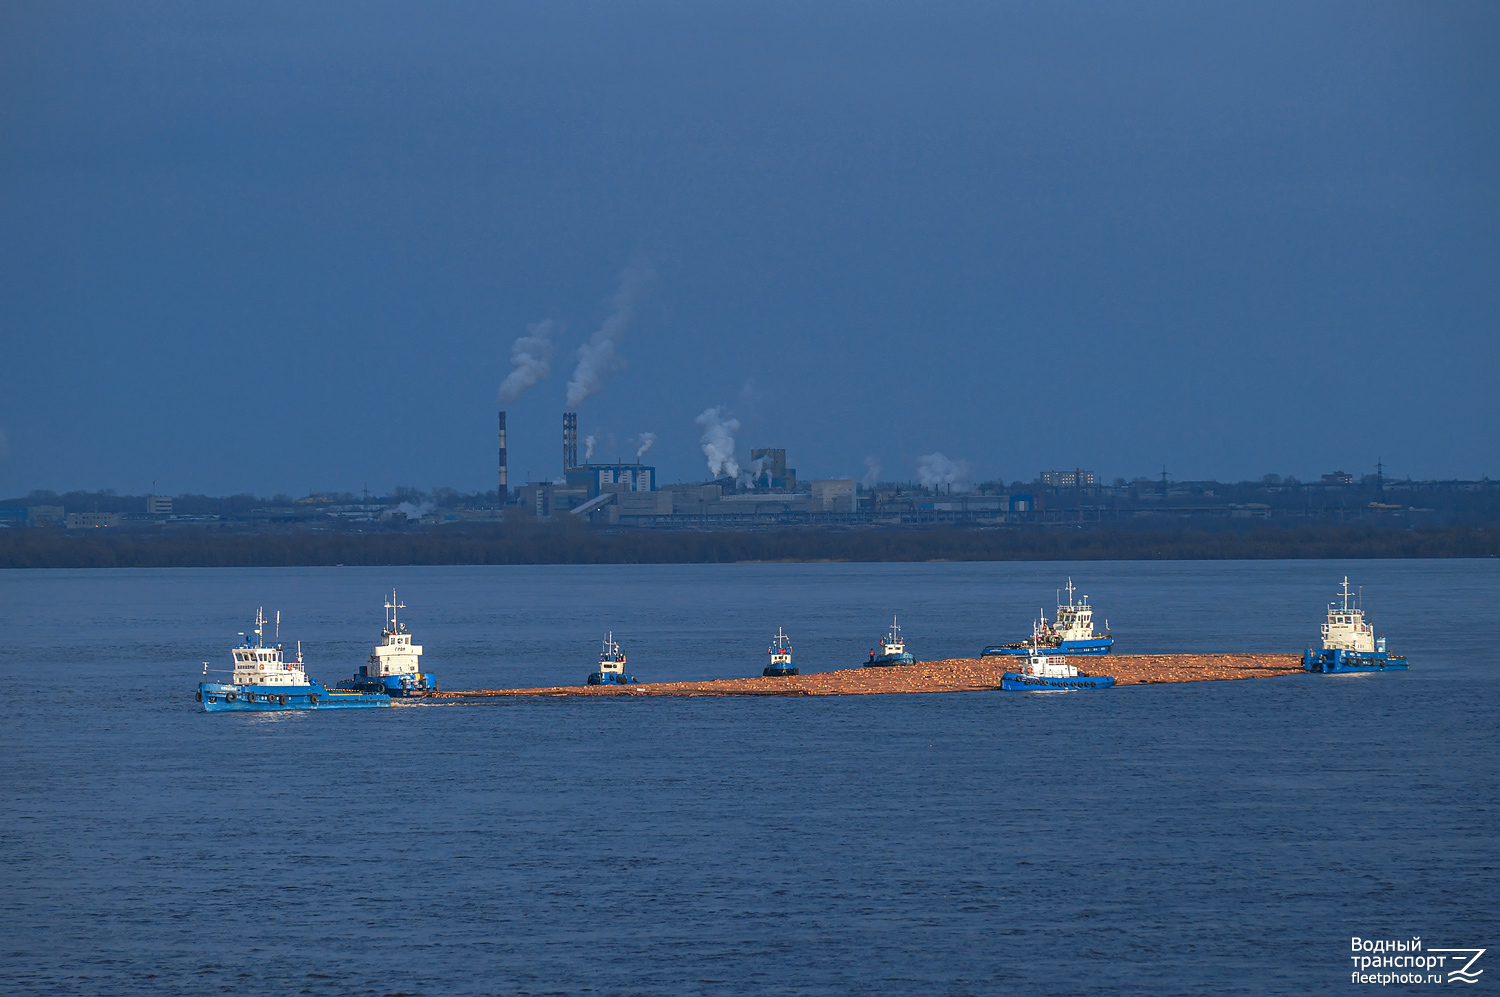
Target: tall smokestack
503, 491
570, 440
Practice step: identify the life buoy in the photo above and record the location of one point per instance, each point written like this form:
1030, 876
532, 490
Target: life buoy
229, 698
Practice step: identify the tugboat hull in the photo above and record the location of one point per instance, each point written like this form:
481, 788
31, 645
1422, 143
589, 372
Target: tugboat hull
610, 678
396, 686
218, 697
887, 661
776, 671
1014, 682
1338, 661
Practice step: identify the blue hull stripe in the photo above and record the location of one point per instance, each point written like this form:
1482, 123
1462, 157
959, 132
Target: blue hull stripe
1335, 662
1098, 645
221, 698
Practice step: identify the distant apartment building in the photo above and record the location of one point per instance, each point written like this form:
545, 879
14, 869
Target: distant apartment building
1068, 479
158, 505
1338, 478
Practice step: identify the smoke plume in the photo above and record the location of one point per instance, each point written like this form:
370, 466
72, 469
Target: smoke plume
598, 356
934, 469
872, 472
415, 512
530, 361
588, 448
647, 441
718, 441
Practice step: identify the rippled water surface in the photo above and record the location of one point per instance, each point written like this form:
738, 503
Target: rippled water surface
1209, 838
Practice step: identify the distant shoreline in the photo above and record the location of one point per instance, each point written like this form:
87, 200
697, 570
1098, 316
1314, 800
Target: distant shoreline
545, 544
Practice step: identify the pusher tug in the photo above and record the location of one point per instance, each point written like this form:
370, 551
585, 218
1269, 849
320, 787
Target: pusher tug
1050, 673
264, 681
1349, 643
781, 656
1072, 632
892, 650
395, 663
611, 665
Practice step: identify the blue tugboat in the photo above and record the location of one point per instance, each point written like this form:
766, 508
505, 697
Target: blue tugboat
1047, 673
1071, 633
781, 656
611, 665
1349, 643
892, 650
394, 667
264, 681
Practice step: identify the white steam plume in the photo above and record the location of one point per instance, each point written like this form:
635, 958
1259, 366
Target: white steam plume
530, 361
718, 441
872, 472
597, 357
934, 469
588, 448
415, 512
647, 441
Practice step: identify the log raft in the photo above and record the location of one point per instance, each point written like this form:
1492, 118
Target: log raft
948, 675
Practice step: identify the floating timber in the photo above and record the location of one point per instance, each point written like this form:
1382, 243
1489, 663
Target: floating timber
950, 675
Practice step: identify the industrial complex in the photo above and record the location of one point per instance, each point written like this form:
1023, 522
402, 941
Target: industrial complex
767, 493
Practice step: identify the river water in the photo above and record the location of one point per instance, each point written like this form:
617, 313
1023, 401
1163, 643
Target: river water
1226, 837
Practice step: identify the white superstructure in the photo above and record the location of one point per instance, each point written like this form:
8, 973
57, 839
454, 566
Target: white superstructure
781, 650
611, 661
1346, 629
1043, 666
257, 664
894, 646
1075, 621
395, 654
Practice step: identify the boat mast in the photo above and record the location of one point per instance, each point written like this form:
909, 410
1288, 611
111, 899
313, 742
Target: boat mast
393, 605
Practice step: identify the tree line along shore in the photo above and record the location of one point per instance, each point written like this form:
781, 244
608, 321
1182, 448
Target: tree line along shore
569, 544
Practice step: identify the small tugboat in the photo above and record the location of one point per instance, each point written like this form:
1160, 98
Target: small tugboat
1071, 633
781, 656
611, 665
893, 650
1049, 673
394, 667
264, 680
1349, 643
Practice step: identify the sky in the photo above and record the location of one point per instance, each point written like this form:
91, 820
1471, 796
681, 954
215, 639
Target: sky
265, 247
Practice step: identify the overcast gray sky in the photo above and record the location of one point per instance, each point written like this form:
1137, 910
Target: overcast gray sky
287, 247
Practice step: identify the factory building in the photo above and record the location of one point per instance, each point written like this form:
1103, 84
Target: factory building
769, 472
835, 495
617, 477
